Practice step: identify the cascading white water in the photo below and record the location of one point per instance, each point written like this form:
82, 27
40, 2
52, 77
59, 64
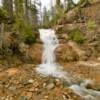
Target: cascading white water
86, 94
50, 43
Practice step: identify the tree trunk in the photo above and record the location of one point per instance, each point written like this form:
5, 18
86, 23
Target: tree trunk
19, 9
26, 10
8, 6
1, 34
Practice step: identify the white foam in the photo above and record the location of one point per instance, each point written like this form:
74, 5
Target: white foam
86, 94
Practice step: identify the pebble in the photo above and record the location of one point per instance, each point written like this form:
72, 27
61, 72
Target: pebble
44, 85
31, 89
12, 88
31, 81
23, 98
46, 97
50, 86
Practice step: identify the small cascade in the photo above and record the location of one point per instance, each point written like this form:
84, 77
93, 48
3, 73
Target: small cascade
86, 94
49, 66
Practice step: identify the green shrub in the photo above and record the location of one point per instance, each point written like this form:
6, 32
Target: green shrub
91, 24
76, 36
26, 32
5, 51
28, 36
3, 14
63, 30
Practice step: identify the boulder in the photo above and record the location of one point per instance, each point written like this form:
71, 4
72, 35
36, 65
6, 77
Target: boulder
69, 52
31, 54
65, 53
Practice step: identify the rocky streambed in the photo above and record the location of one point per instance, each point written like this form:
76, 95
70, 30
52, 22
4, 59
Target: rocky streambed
21, 82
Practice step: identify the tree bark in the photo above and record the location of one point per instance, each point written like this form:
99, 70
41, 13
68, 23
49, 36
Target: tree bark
1, 34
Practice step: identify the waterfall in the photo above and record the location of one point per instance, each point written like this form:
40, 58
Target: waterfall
50, 67
50, 43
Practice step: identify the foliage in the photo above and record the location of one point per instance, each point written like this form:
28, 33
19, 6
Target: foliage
46, 17
34, 13
70, 4
28, 36
54, 20
3, 14
56, 13
91, 24
8, 7
25, 25
81, 2
5, 51
62, 30
26, 32
76, 36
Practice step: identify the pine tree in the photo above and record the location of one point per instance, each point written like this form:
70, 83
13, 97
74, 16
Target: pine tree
27, 11
19, 16
45, 17
34, 12
8, 7
19, 9
58, 11
70, 4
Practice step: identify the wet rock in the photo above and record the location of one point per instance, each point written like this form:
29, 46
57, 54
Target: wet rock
87, 84
89, 97
66, 84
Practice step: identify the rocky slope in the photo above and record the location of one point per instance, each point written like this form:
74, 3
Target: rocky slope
23, 83
86, 23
